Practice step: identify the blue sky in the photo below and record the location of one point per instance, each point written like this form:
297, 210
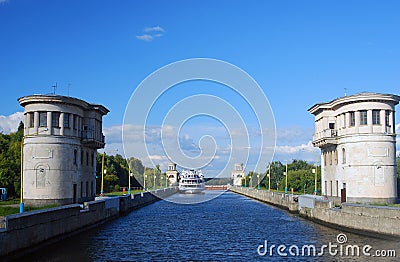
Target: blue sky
299, 52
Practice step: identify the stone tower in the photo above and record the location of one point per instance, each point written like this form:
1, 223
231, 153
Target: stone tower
357, 138
172, 174
238, 174
61, 138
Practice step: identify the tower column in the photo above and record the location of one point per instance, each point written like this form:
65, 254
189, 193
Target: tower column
62, 124
369, 121
383, 120
36, 122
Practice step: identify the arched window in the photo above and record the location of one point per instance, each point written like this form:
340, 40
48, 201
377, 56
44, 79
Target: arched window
343, 156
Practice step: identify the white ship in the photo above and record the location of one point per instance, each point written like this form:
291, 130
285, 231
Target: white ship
191, 182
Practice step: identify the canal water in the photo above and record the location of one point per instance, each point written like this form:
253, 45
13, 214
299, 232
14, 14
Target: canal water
228, 228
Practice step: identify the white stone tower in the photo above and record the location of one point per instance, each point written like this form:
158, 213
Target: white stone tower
238, 174
172, 174
61, 138
357, 138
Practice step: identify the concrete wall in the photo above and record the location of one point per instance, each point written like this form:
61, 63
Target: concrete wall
367, 219
383, 220
38, 228
281, 200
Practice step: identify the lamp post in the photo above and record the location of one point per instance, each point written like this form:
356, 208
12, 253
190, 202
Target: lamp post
269, 177
129, 177
286, 174
103, 171
154, 178
21, 204
315, 171
144, 179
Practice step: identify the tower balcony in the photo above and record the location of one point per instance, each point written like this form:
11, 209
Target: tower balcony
90, 139
325, 138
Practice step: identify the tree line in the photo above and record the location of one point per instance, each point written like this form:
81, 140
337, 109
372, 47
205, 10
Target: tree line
300, 176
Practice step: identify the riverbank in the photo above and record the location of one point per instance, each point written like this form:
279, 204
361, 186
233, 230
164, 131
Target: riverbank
25, 232
359, 218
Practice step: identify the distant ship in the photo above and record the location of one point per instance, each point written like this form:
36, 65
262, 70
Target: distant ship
191, 182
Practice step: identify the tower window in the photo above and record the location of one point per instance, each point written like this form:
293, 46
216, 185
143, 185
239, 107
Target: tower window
363, 117
66, 120
376, 118
352, 119
55, 119
82, 157
43, 119
343, 156
75, 156
31, 119
87, 158
387, 117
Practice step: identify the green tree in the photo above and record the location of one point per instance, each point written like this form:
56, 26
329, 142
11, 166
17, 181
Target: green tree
10, 161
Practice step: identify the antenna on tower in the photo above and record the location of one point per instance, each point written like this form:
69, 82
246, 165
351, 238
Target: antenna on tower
345, 91
54, 88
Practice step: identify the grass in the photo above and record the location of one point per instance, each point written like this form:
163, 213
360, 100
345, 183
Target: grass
9, 202
120, 193
7, 210
385, 204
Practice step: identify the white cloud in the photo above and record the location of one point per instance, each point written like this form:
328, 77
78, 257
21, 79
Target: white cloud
154, 29
10, 123
145, 37
151, 33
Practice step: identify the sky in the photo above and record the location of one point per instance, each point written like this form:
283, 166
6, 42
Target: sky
299, 52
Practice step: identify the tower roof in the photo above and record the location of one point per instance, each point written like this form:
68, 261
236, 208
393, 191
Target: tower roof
356, 98
58, 99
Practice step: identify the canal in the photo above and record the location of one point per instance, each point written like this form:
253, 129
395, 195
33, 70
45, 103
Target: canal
228, 228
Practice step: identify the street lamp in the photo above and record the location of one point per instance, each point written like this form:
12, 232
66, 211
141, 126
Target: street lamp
129, 177
21, 204
144, 179
286, 174
154, 174
103, 172
316, 175
269, 177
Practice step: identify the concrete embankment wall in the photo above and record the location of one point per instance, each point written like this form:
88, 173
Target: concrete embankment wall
285, 201
365, 219
384, 220
23, 232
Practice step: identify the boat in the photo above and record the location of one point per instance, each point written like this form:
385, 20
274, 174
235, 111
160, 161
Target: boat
191, 182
